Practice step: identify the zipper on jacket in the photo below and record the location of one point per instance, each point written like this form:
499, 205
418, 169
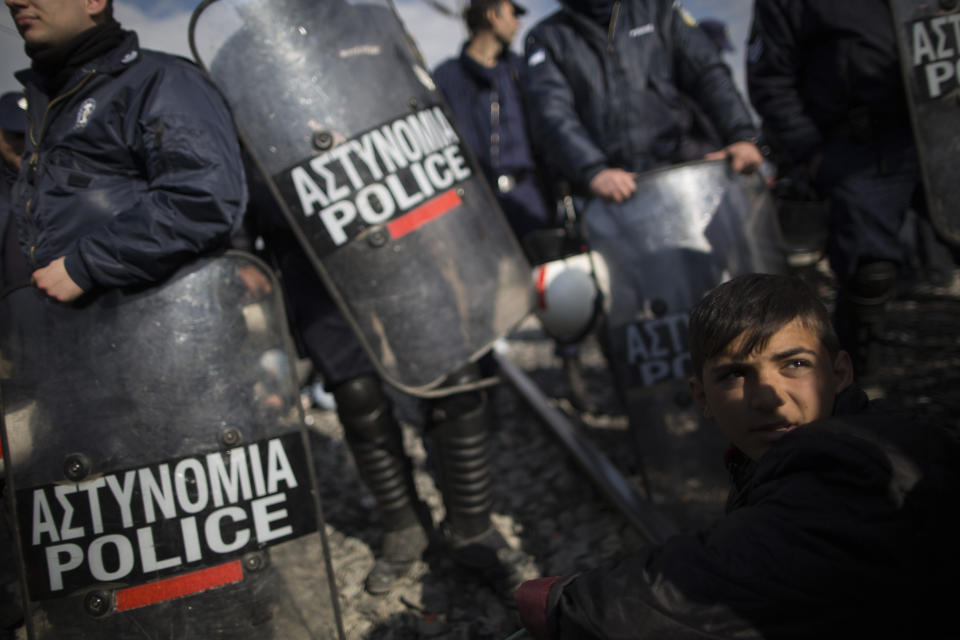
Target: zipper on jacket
35, 139
612, 28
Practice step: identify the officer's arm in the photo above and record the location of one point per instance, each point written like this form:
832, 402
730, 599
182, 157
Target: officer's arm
702, 74
558, 134
196, 189
773, 61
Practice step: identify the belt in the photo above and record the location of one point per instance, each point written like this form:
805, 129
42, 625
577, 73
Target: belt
506, 182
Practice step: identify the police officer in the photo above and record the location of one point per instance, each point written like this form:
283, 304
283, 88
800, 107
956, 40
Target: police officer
483, 91
825, 78
481, 87
132, 165
457, 426
624, 86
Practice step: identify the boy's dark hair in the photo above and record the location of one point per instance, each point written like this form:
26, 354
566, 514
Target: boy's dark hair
756, 305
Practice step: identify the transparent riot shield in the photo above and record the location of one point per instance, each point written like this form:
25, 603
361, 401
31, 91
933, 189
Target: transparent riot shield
362, 156
686, 229
929, 41
158, 466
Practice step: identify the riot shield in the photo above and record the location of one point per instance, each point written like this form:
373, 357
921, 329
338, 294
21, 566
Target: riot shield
361, 155
157, 463
685, 230
929, 41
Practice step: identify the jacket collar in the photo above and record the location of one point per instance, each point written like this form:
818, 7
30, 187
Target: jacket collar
485, 74
850, 401
113, 62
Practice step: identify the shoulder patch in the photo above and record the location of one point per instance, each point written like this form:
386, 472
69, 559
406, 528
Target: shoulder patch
129, 57
536, 58
688, 19
84, 112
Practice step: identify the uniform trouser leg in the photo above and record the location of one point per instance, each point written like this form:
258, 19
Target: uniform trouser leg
871, 185
376, 442
861, 309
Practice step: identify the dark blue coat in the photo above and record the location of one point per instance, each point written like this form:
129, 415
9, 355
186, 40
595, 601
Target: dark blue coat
843, 529
133, 169
816, 66
601, 100
501, 145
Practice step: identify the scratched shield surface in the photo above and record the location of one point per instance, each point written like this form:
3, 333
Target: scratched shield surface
928, 34
157, 462
361, 154
685, 230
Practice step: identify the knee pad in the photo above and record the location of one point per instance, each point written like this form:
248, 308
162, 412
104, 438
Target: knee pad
363, 408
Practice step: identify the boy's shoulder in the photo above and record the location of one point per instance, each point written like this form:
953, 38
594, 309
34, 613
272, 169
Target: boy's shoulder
879, 447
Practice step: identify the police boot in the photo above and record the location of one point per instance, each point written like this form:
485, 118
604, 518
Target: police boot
859, 317
376, 442
460, 434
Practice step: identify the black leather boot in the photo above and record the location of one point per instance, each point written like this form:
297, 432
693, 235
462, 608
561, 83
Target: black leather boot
374, 437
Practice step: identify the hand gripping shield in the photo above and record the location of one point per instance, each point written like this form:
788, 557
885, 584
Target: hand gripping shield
686, 229
158, 466
928, 35
363, 158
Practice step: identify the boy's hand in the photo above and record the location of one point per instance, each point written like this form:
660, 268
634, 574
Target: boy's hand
54, 281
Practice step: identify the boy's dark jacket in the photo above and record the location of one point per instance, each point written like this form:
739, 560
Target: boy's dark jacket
846, 528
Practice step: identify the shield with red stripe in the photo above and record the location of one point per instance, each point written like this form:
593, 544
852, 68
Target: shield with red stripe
158, 465
362, 156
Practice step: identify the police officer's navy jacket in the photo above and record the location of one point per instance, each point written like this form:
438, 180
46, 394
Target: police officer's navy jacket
489, 111
619, 97
845, 528
818, 66
130, 170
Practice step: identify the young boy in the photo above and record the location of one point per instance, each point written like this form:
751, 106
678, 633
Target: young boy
841, 518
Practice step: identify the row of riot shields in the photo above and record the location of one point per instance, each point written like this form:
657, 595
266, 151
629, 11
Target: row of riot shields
158, 467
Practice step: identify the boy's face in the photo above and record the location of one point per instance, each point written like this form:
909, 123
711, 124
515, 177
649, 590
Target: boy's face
759, 398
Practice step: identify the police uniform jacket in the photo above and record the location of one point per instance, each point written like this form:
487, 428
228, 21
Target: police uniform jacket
821, 68
622, 96
845, 528
130, 170
489, 111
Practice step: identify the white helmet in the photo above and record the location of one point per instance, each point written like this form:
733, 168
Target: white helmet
569, 295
